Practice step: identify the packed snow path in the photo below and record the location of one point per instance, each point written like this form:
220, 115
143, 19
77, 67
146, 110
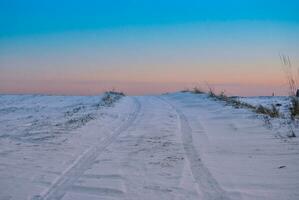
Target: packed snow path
178, 146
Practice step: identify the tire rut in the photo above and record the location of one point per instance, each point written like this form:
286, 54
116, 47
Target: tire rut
60, 186
207, 184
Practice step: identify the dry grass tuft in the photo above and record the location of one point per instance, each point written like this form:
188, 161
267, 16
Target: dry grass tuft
272, 112
294, 108
197, 90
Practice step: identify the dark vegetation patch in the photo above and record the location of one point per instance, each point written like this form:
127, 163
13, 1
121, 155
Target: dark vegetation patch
80, 121
294, 108
109, 98
272, 112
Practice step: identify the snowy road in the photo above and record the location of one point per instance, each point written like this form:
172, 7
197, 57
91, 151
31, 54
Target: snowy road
178, 146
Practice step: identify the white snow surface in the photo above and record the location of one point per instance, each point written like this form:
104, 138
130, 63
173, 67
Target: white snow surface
177, 146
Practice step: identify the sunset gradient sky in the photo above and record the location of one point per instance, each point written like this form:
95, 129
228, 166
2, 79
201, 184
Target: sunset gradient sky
146, 46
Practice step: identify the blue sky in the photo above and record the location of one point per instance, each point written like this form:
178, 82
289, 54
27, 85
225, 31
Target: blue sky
25, 17
166, 41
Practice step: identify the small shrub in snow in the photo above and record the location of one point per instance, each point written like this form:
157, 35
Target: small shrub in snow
185, 90
293, 85
294, 108
111, 97
197, 90
212, 94
272, 112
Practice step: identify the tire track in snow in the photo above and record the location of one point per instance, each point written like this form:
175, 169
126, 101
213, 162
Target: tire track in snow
209, 186
60, 186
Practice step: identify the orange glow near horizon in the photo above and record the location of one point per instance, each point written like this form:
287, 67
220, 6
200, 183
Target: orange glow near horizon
242, 60
137, 88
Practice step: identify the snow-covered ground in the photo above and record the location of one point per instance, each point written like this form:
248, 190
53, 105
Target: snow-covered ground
281, 102
39, 118
176, 146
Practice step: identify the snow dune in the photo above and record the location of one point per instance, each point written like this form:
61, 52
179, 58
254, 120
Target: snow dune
176, 146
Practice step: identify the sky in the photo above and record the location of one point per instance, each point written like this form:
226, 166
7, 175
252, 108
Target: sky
146, 46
